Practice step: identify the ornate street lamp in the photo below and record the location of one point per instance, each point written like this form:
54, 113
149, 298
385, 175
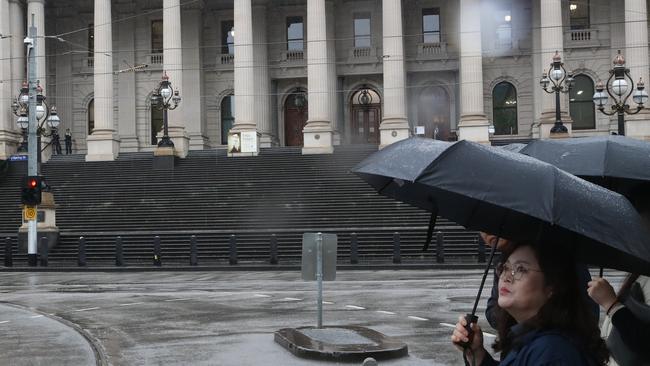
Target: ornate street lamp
618, 90
559, 82
45, 116
300, 100
165, 98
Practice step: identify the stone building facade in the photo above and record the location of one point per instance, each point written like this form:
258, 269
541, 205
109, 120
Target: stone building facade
316, 73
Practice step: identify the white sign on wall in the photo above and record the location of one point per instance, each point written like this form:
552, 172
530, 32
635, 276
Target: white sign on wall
419, 130
249, 142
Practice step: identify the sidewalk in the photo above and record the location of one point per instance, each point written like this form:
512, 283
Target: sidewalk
32, 338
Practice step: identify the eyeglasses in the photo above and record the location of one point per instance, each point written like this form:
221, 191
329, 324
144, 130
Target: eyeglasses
517, 271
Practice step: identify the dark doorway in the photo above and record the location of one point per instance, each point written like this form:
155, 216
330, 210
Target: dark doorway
434, 113
295, 118
365, 115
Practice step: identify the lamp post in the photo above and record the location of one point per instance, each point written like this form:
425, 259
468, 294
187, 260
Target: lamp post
164, 97
618, 90
559, 82
45, 117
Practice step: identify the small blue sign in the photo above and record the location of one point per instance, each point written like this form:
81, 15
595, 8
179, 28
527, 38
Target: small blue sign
18, 158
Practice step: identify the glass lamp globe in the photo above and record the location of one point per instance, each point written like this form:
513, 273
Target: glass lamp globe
166, 92
24, 98
40, 112
600, 98
54, 120
640, 96
557, 74
619, 86
23, 122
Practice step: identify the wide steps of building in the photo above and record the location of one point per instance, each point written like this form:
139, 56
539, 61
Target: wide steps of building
212, 196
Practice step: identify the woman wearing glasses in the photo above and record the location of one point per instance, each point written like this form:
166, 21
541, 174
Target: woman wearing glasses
541, 318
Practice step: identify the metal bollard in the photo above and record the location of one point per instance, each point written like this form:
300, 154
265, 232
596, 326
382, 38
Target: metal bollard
233, 250
273, 250
81, 257
119, 252
354, 249
9, 260
43, 251
194, 254
440, 247
397, 254
157, 261
369, 362
481, 250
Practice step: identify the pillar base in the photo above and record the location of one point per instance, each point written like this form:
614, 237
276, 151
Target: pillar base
474, 128
181, 141
267, 140
542, 129
318, 139
103, 145
392, 130
638, 126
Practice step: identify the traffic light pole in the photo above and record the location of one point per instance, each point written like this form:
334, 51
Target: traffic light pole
32, 139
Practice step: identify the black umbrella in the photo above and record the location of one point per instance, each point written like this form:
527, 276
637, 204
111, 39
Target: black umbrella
618, 163
511, 195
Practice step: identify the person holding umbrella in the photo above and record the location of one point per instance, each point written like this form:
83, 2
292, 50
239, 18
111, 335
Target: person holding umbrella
540, 320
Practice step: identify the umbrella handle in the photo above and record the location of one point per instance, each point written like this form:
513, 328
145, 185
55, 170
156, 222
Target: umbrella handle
600, 274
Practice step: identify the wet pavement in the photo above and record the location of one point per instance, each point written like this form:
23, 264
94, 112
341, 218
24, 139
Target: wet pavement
223, 318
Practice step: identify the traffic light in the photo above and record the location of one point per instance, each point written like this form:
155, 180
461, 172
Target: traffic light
31, 192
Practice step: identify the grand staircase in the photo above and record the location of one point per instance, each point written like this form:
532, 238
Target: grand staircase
280, 192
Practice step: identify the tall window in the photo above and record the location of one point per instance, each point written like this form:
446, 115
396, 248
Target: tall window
156, 124
362, 30
91, 39
431, 25
295, 34
91, 116
581, 106
157, 36
504, 28
579, 14
227, 37
504, 110
227, 117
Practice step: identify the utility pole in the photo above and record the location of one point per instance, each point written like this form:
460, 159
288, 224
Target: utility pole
32, 139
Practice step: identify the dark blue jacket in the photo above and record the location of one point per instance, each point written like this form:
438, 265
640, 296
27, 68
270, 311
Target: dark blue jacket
540, 348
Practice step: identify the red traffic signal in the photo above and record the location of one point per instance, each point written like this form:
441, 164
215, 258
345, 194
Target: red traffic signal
31, 190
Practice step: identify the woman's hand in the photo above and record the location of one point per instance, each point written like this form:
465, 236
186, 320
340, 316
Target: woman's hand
460, 336
601, 292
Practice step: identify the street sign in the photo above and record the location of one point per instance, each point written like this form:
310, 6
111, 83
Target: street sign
310, 253
29, 213
18, 158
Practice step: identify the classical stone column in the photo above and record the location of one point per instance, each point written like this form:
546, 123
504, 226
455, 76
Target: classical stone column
552, 40
473, 124
636, 57
127, 95
103, 143
394, 124
173, 65
262, 80
8, 136
17, 20
37, 8
331, 71
193, 101
244, 66
318, 131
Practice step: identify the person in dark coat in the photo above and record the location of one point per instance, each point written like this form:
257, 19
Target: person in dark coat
68, 141
583, 276
56, 143
540, 320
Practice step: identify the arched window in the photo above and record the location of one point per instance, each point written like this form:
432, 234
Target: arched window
91, 116
504, 109
227, 117
156, 124
581, 106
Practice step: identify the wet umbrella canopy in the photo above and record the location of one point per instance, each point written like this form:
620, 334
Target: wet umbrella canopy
618, 163
513, 196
